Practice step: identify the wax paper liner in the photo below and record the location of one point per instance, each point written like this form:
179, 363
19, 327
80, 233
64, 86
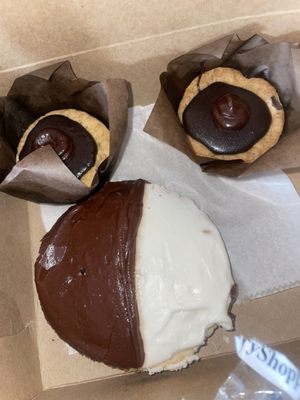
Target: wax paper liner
41, 176
279, 63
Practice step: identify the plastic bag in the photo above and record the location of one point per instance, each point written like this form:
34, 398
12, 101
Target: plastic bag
245, 384
263, 374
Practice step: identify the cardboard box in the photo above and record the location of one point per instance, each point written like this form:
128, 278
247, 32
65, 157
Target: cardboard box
133, 40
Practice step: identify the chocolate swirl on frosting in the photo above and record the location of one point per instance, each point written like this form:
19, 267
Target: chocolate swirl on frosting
85, 276
226, 119
70, 140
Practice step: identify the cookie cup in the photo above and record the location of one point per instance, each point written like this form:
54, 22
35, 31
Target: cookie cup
276, 63
42, 176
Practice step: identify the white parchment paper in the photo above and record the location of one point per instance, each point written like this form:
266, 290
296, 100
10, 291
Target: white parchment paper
258, 216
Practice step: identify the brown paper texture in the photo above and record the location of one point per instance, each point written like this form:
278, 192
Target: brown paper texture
140, 60
42, 176
20, 376
199, 381
16, 306
279, 63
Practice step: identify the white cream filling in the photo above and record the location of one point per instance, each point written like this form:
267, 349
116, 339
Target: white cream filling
183, 277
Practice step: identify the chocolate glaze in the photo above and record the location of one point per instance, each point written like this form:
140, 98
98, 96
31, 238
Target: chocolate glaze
199, 119
85, 275
230, 112
70, 140
60, 142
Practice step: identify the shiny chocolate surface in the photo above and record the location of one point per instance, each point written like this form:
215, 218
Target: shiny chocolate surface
70, 140
60, 142
230, 112
226, 119
85, 275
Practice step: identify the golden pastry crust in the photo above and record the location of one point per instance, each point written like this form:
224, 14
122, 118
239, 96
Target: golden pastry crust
261, 88
178, 361
96, 128
181, 359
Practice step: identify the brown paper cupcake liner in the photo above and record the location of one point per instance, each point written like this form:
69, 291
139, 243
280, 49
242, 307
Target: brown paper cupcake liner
279, 63
41, 176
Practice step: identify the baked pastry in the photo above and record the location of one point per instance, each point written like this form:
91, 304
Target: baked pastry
230, 117
80, 140
136, 277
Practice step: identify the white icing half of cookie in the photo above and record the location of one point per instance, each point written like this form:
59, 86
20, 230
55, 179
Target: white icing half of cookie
183, 279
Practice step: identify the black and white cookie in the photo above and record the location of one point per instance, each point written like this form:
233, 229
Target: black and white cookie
136, 277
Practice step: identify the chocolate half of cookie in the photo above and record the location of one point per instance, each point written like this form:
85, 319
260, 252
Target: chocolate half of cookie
136, 277
228, 116
80, 140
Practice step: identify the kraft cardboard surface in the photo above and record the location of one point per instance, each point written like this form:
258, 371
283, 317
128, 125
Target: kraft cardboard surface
200, 381
16, 306
138, 59
134, 41
54, 29
19, 364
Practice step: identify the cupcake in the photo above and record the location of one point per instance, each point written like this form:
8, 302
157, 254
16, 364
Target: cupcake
232, 106
66, 134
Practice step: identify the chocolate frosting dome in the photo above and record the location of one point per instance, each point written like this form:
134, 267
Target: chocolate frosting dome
226, 119
230, 112
69, 139
85, 276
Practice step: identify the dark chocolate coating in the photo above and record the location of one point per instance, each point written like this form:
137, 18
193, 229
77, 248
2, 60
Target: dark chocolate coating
230, 112
60, 142
85, 275
199, 121
70, 140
